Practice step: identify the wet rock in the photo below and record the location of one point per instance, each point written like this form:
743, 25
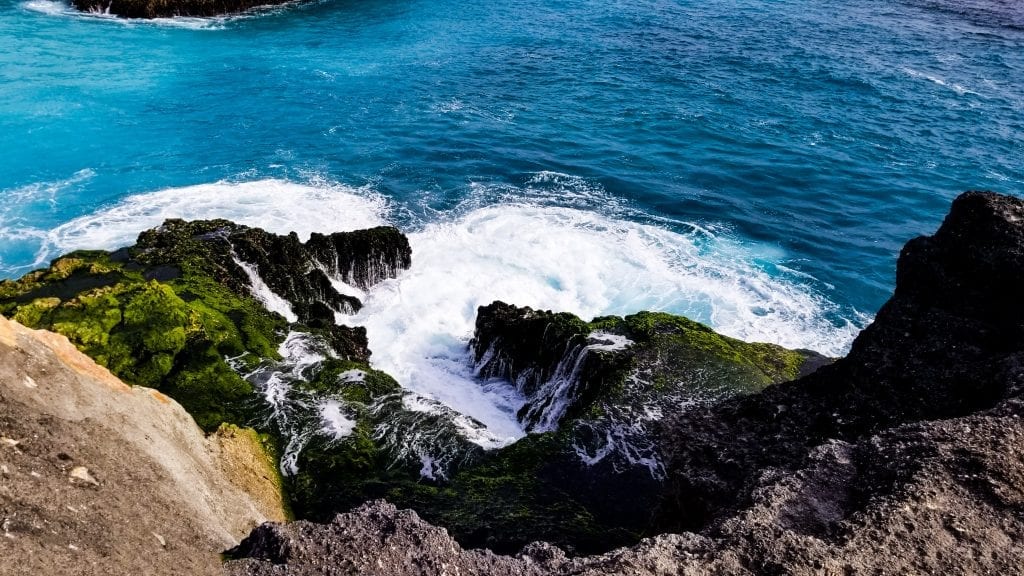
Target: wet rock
169, 8
305, 276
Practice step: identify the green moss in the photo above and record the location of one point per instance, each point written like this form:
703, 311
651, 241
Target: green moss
363, 387
209, 389
674, 348
235, 324
336, 475
32, 313
170, 335
510, 500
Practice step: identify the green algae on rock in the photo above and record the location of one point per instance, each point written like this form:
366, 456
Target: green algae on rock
169, 311
592, 471
168, 336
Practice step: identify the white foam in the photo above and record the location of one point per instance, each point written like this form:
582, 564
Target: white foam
335, 422
49, 7
299, 352
45, 191
958, 88
580, 261
277, 206
270, 299
302, 351
16, 232
345, 289
498, 431
607, 342
427, 467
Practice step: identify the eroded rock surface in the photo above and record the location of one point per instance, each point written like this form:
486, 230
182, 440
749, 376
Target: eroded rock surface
99, 478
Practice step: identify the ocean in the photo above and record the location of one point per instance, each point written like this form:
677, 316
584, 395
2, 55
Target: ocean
755, 165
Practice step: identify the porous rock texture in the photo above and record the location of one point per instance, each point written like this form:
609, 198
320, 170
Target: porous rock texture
905, 457
99, 478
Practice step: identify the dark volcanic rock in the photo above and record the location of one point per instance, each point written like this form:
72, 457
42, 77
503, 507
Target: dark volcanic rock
532, 348
599, 391
352, 543
169, 8
945, 345
904, 457
299, 273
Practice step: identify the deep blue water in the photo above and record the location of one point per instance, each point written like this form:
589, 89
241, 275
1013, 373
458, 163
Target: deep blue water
790, 146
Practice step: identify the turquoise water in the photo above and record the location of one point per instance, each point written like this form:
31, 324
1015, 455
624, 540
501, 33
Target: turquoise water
754, 164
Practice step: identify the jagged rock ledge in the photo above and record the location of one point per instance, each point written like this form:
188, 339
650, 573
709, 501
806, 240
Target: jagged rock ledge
171, 8
903, 457
169, 311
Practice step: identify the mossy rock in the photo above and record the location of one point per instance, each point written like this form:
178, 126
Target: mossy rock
173, 335
355, 382
672, 349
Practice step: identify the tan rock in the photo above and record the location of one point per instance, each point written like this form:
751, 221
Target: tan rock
152, 473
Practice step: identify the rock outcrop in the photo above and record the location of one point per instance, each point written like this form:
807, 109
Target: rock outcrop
948, 344
903, 457
97, 477
167, 312
597, 393
310, 281
170, 8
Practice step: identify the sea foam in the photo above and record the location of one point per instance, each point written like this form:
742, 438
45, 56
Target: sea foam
565, 259
277, 206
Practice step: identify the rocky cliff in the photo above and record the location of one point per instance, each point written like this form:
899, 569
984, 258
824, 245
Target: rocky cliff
97, 477
903, 457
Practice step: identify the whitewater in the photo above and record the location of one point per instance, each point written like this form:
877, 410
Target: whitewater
528, 252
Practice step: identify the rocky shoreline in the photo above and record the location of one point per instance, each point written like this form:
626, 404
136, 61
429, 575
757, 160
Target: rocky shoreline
904, 457
655, 445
